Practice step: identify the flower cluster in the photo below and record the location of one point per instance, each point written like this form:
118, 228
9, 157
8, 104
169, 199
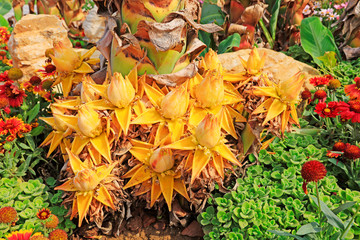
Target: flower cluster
8, 215
326, 13
13, 127
346, 150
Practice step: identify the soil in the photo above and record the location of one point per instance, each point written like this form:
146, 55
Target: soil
150, 233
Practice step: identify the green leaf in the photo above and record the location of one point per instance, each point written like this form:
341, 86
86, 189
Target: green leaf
328, 59
23, 146
333, 220
282, 233
37, 131
316, 39
211, 13
309, 228
343, 207
227, 44
3, 21
274, 18
5, 7
33, 113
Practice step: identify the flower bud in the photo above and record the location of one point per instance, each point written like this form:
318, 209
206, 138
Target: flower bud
210, 92
15, 73
120, 91
212, 61
89, 122
208, 132
64, 58
175, 103
86, 180
59, 124
161, 160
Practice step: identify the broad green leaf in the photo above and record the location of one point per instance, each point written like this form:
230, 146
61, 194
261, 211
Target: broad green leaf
316, 39
3, 21
332, 219
227, 44
309, 228
5, 7
212, 13
274, 18
328, 59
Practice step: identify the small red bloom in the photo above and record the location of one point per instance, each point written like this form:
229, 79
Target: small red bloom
4, 76
339, 146
312, 171
320, 94
352, 152
11, 125
43, 214
12, 93
350, 110
353, 90
48, 71
305, 95
319, 81
10, 138
327, 110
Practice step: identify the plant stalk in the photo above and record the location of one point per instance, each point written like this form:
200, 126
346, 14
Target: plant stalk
318, 198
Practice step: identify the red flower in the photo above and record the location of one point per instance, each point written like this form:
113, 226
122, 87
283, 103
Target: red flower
325, 110
20, 235
350, 110
43, 214
312, 171
12, 93
320, 94
48, 71
353, 90
11, 125
306, 94
352, 152
4, 76
338, 147
318, 81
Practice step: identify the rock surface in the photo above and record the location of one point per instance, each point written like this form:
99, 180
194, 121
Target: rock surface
31, 36
278, 64
94, 26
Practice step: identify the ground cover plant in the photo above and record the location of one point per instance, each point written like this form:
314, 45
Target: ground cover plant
158, 122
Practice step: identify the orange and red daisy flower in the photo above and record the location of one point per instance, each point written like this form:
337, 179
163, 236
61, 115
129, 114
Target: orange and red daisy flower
11, 125
350, 110
12, 93
43, 214
20, 235
48, 71
327, 110
336, 149
319, 81
353, 90
4, 76
312, 171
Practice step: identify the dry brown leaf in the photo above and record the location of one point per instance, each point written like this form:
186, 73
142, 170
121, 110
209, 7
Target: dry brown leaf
164, 36
177, 78
252, 14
